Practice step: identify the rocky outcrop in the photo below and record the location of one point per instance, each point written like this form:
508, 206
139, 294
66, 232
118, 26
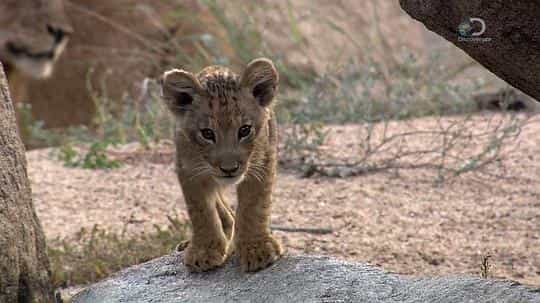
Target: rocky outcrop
295, 279
503, 36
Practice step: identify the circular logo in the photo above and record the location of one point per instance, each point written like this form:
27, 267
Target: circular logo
465, 29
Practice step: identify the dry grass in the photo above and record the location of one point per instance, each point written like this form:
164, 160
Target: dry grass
93, 254
450, 146
399, 220
391, 210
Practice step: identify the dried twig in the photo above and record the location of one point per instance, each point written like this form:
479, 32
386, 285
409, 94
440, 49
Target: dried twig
317, 231
485, 266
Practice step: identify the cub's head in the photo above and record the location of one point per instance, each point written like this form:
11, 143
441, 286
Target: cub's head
222, 118
33, 33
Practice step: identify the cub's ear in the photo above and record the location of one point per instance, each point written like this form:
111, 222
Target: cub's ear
178, 89
261, 79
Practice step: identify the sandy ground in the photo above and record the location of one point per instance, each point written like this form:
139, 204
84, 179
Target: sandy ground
403, 223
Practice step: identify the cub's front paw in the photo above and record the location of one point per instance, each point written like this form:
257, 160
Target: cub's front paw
256, 254
198, 258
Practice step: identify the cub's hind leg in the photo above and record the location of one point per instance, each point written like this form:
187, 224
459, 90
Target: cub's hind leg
226, 215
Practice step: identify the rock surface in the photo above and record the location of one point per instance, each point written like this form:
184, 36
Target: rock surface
294, 279
510, 45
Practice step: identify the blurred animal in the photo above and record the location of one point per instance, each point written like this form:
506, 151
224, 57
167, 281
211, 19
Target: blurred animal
506, 99
33, 34
114, 46
226, 135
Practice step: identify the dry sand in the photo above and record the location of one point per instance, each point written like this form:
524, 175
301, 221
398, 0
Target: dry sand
403, 223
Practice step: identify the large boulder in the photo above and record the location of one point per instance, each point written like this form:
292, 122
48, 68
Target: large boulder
295, 279
502, 35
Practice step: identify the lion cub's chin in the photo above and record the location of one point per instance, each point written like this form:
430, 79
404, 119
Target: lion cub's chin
228, 181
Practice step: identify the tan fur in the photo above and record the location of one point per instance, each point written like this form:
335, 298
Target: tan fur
102, 53
219, 100
33, 34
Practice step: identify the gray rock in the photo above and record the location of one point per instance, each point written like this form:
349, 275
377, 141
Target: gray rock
294, 279
506, 40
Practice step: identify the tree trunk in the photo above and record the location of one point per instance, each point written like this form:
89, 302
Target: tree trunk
24, 267
502, 35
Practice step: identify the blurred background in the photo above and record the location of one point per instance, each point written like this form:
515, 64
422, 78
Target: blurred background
371, 50
418, 159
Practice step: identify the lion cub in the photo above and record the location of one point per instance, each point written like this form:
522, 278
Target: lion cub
226, 135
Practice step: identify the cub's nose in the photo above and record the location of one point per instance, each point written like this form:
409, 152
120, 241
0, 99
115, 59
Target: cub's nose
229, 168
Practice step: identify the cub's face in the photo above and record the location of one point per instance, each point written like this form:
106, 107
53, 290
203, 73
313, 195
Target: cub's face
222, 118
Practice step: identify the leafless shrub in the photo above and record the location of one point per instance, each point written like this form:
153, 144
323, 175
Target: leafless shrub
385, 101
450, 146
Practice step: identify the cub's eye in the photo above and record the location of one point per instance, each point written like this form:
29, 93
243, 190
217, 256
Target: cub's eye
208, 134
244, 131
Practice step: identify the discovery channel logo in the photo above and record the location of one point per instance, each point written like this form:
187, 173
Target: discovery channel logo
471, 30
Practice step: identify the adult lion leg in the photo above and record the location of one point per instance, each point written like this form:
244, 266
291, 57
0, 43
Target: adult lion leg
208, 247
254, 241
